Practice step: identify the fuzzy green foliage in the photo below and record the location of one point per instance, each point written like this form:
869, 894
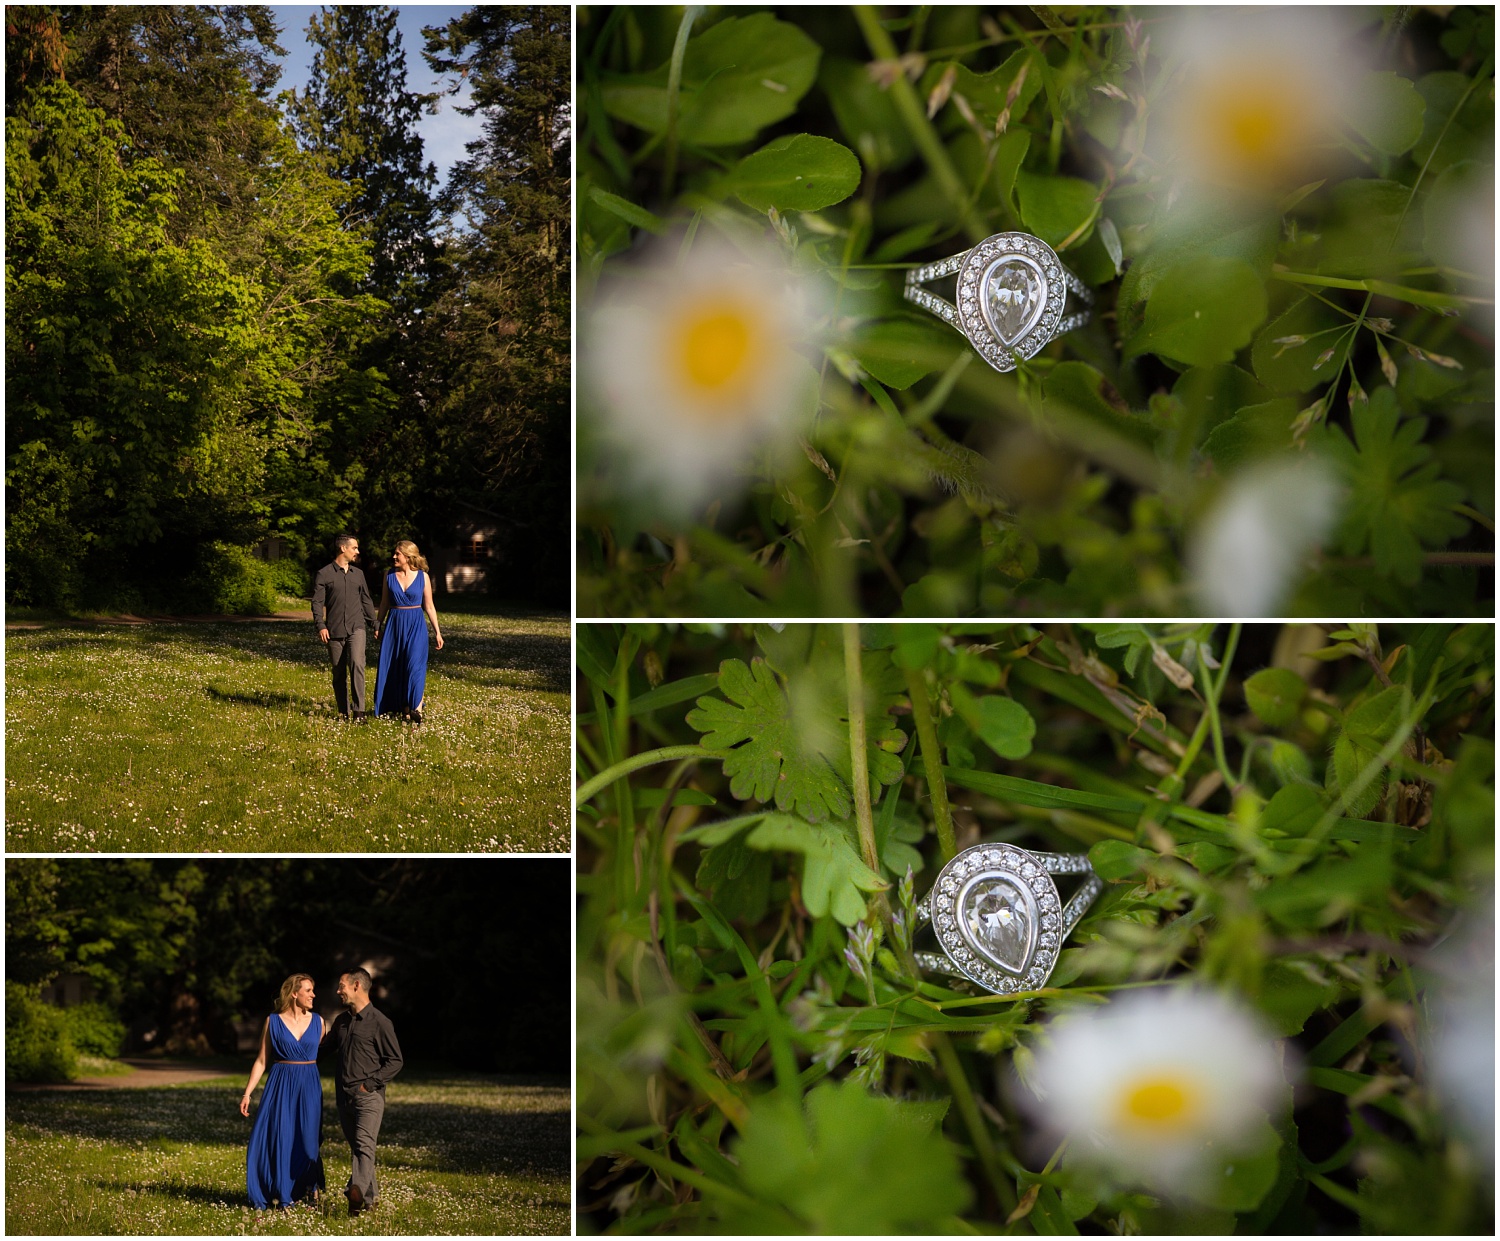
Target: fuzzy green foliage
39, 1045
1301, 816
1339, 315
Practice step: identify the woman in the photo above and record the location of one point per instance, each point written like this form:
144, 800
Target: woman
403, 655
283, 1165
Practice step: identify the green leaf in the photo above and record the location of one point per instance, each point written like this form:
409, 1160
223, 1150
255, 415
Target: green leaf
846, 1162
627, 210
738, 76
866, 114
1390, 112
1252, 434
833, 877
1370, 232
1275, 695
1114, 860
1001, 723
773, 758
1054, 207
739, 878
1397, 502
799, 172
1285, 366
1201, 312
898, 352
1078, 388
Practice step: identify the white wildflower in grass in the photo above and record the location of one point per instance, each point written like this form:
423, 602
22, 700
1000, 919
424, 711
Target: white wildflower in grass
1250, 548
1158, 1087
1258, 101
694, 363
1461, 1028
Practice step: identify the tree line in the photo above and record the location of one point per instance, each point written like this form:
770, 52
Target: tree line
234, 313
472, 956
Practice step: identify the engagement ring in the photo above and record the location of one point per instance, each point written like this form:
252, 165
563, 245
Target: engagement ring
1010, 294
998, 917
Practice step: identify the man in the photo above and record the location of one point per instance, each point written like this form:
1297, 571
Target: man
342, 609
367, 1056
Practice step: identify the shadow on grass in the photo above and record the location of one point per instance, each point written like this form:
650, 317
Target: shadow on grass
439, 1137
523, 661
203, 1195
268, 701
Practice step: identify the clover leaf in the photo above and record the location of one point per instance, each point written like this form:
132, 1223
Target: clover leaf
847, 1162
1397, 502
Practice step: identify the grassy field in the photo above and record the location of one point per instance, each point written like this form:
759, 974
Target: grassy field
459, 1154
222, 736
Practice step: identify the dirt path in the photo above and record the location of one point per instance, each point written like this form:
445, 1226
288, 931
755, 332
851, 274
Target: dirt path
147, 1073
129, 619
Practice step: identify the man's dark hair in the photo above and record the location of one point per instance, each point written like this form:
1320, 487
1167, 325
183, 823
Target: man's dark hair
341, 542
361, 976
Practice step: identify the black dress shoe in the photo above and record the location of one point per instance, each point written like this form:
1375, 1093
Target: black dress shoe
356, 1199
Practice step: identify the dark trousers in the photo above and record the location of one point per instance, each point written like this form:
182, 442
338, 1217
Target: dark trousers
360, 1114
348, 655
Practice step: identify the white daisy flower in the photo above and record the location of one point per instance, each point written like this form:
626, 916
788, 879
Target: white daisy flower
1247, 552
1461, 1033
1259, 98
1158, 1086
693, 366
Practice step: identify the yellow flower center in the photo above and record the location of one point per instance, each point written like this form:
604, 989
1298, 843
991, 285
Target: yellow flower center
1256, 126
716, 349
1160, 1103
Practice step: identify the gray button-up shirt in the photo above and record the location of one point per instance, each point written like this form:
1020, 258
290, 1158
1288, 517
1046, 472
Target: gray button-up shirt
341, 601
365, 1049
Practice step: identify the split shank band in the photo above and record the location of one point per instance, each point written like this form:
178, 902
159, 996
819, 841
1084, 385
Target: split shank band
1009, 296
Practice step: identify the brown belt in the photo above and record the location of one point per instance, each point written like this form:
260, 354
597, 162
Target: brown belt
296, 1062
405, 607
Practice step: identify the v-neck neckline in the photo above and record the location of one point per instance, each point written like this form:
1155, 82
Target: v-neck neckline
297, 1038
415, 573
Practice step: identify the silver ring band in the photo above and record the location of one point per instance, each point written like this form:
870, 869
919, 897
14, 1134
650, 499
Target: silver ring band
999, 920
1010, 295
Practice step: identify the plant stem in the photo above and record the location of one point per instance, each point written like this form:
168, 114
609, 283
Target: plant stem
590, 787
914, 117
859, 760
1213, 688
984, 1144
932, 760
674, 87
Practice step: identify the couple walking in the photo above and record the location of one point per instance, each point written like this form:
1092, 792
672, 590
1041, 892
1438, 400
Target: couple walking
342, 608
284, 1164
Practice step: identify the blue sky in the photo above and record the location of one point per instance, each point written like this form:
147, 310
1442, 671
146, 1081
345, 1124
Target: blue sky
443, 135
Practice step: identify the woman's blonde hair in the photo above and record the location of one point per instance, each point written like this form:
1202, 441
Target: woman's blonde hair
413, 557
289, 989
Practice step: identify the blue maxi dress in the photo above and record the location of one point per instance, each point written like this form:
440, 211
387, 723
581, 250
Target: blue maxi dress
403, 648
283, 1164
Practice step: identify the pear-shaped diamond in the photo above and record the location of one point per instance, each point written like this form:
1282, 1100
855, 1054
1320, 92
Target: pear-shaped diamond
999, 918
1013, 294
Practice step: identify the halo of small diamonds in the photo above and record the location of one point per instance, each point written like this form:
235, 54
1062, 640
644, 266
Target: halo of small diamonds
1019, 253
1005, 889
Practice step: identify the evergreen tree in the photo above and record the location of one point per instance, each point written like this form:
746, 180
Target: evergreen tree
359, 115
498, 339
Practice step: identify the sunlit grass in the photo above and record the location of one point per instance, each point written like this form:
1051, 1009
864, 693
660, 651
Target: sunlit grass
457, 1154
176, 737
